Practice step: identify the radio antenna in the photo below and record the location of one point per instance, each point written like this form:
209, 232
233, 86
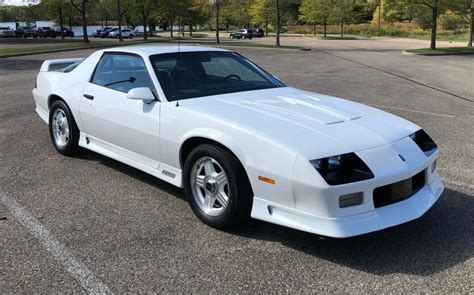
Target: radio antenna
177, 60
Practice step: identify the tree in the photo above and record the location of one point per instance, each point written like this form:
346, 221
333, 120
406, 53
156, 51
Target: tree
235, 13
469, 5
465, 8
435, 8
169, 11
262, 12
197, 13
277, 10
54, 10
342, 12
81, 8
217, 4
316, 12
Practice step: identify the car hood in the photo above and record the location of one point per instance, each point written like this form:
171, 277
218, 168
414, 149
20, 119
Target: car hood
312, 124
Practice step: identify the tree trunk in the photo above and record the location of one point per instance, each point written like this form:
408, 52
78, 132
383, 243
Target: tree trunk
471, 26
277, 39
190, 30
84, 21
145, 37
266, 27
61, 21
171, 27
434, 24
119, 14
378, 23
342, 28
217, 21
325, 28
70, 17
314, 29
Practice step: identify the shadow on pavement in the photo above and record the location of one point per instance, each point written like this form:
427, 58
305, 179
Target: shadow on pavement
442, 238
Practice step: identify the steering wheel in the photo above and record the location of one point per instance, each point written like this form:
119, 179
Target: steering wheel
233, 76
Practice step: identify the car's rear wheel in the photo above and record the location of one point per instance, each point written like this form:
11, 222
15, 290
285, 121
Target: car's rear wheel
131, 36
217, 187
63, 129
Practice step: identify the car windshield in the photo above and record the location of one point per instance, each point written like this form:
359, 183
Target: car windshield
187, 75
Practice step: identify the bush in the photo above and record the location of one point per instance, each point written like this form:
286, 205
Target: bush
451, 21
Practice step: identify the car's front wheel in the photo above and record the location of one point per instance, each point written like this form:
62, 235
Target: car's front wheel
217, 187
63, 129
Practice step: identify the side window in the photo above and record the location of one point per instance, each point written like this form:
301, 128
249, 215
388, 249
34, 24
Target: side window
121, 72
166, 72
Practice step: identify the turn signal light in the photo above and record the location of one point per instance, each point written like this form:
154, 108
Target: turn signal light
266, 179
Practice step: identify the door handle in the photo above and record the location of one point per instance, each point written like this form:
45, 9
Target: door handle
88, 96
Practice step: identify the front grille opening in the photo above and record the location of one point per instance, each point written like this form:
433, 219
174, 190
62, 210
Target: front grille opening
398, 191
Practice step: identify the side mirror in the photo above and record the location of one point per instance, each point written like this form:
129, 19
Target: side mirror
141, 93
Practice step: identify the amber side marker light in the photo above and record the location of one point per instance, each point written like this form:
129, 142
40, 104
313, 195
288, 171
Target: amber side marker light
266, 179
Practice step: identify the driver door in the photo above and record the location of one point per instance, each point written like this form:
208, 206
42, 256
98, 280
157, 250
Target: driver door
113, 122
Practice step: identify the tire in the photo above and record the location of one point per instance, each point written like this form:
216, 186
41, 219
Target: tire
66, 145
131, 36
231, 37
230, 195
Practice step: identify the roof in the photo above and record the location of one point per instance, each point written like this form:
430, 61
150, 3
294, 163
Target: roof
147, 50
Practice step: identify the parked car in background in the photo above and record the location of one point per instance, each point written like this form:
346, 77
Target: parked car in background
259, 33
97, 33
7, 32
105, 33
67, 32
45, 32
126, 33
27, 32
242, 34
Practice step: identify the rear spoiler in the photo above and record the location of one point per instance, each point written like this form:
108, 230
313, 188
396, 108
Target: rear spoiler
45, 67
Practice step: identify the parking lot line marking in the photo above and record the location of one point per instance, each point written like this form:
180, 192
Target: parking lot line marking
413, 111
55, 248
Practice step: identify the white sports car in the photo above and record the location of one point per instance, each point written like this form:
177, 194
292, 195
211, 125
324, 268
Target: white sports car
240, 142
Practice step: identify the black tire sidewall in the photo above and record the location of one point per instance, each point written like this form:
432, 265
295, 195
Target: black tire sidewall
73, 144
236, 211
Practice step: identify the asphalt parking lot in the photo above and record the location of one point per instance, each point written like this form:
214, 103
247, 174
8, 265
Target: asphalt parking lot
125, 231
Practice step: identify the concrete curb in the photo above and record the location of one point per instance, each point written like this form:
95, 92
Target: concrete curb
404, 52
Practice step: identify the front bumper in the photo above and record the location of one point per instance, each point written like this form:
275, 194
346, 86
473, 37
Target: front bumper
316, 207
353, 225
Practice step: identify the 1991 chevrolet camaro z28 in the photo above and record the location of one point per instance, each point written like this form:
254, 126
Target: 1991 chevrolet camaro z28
240, 142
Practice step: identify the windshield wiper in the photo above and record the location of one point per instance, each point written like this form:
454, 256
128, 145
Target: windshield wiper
131, 80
